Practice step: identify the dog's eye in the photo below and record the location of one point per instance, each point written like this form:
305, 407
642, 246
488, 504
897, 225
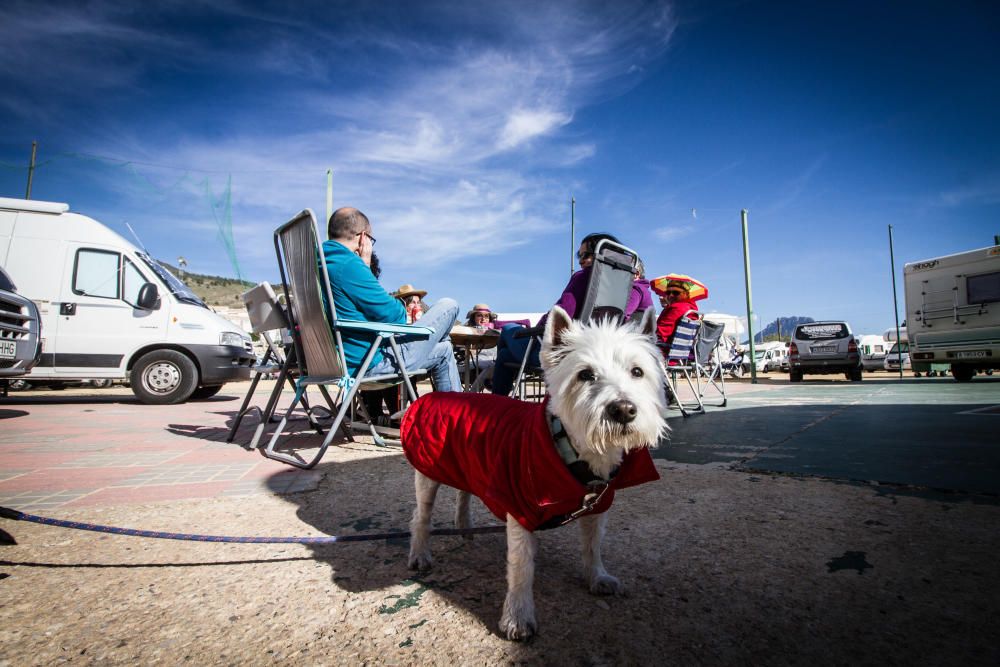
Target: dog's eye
637, 372
586, 375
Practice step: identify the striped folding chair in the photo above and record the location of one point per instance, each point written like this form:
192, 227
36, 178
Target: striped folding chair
679, 362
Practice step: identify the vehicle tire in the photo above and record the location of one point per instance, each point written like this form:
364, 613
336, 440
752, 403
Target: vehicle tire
962, 372
102, 383
164, 377
208, 391
795, 376
18, 384
855, 375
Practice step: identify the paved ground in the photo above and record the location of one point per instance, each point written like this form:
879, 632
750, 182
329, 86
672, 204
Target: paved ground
786, 530
928, 432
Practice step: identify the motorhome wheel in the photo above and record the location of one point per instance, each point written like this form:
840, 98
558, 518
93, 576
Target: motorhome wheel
962, 372
164, 377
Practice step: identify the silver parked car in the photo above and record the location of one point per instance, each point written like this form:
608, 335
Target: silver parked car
20, 331
824, 347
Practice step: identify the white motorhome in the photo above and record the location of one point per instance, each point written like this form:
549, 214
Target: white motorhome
109, 310
873, 348
771, 356
953, 311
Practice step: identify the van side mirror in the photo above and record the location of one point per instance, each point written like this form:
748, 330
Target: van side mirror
149, 297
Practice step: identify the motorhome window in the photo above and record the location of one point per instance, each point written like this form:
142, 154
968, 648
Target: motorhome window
95, 273
821, 331
176, 287
132, 282
983, 289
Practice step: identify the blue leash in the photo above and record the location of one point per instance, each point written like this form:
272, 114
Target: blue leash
16, 515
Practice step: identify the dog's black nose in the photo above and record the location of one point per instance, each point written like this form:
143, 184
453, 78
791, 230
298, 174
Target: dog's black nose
621, 411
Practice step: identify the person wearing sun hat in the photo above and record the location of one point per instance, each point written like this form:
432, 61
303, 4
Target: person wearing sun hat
412, 299
675, 297
481, 316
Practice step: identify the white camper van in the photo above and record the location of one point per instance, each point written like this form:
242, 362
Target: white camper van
109, 310
953, 312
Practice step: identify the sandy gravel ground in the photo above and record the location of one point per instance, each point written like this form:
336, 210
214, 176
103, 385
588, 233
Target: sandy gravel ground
722, 567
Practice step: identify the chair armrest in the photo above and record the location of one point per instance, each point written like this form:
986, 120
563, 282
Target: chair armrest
529, 331
382, 327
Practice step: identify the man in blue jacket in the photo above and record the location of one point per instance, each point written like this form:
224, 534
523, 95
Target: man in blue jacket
358, 296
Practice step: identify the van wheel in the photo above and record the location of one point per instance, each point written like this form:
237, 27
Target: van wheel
855, 375
962, 372
201, 393
101, 383
795, 376
163, 377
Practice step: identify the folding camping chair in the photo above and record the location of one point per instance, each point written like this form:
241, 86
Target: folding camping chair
316, 334
267, 315
707, 359
608, 289
678, 362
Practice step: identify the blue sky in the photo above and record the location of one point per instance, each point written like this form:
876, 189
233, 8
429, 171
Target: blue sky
463, 129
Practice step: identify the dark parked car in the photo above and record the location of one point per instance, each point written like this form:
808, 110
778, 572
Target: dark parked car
20, 331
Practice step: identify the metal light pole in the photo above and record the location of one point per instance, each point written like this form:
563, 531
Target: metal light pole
572, 234
746, 275
329, 194
895, 305
31, 168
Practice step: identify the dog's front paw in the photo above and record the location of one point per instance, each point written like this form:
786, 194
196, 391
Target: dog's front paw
605, 584
516, 628
420, 560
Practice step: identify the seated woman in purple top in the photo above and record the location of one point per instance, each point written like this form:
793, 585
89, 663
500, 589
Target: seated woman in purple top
641, 298
511, 349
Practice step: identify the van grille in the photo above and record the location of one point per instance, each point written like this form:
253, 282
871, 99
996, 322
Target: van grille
14, 320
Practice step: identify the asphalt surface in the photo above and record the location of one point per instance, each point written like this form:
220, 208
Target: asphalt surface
928, 432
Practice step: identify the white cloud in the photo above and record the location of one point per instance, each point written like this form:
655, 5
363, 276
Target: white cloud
524, 125
451, 140
674, 233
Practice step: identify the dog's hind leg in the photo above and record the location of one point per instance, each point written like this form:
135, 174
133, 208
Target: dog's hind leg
420, 525
591, 534
518, 619
463, 515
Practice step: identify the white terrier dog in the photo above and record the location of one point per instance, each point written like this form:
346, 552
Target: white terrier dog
543, 465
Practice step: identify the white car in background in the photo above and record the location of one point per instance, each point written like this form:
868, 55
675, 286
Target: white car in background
895, 356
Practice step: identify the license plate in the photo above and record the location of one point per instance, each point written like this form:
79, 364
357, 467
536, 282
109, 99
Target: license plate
822, 349
8, 349
972, 354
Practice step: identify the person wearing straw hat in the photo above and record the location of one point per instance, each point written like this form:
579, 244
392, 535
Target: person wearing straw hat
358, 296
412, 299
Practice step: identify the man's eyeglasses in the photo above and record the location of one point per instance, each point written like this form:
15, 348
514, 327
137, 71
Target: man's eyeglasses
368, 235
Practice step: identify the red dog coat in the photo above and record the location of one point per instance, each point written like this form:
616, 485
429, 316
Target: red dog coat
501, 450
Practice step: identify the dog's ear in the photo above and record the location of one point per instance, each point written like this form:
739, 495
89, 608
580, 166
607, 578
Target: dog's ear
555, 326
647, 325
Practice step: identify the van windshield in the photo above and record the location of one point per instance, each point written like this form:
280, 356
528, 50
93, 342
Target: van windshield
176, 287
895, 348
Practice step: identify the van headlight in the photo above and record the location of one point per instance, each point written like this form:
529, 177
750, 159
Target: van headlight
231, 338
